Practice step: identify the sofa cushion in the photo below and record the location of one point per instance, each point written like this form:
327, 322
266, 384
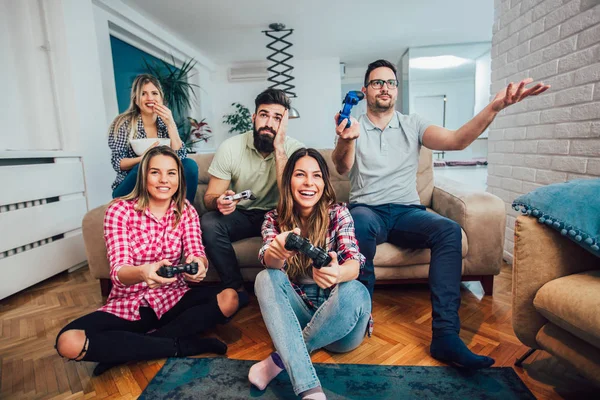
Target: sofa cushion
572, 208
572, 303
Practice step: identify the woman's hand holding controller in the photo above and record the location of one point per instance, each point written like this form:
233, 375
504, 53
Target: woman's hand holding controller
277, 247
150, 276
200, 275
326, 277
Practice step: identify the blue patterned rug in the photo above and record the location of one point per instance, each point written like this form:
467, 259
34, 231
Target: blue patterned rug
222, 378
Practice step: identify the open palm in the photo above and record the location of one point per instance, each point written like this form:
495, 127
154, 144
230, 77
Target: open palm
515, 93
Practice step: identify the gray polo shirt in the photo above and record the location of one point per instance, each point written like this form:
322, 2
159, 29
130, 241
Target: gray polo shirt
386, 162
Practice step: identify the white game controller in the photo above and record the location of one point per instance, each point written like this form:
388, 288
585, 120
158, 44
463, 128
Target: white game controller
245, 195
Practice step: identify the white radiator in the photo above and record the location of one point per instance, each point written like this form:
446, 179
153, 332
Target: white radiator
42, 203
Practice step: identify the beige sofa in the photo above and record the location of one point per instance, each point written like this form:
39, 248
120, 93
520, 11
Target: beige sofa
481, 216
556, 301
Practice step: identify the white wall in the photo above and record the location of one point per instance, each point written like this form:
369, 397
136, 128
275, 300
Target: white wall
483, 80
318, 90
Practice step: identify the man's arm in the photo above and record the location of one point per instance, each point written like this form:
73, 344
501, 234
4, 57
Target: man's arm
216, 187
343, 154
439, 138
279, 146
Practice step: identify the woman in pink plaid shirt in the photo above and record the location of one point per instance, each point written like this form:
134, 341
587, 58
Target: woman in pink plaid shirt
147, 316
306, 308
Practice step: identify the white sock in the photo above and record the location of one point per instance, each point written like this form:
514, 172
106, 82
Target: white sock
263, 372
315, 396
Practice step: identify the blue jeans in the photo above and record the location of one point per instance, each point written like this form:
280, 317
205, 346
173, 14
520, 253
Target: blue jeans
190, 170
414, 227
338, 324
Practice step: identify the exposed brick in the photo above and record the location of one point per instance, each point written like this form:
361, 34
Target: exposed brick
495, 158
503, 194
597, 91
495, 134
561, 81
587, 74
511, 184
509, 43
580, 22
503, 170
563, 13
494, 181
576, 95
545, 39
553, 147
526, 146
556, 115
535, 161
541, 102
507, 70
579, 59
499, 61
540, 132
525, 174
526, 119
573, 130
548, 177
530, 187
545, 70
590, 147
516, 108
498, 86
514, 133
527, 5
504, 147
500, 36
561, 48
570, 177
569, 164
520, 23
514, 159
530, 31
595, 129
518, 52
531, 60
589, 37
586, 111
545, 7
585, 4
593, 167
509, 16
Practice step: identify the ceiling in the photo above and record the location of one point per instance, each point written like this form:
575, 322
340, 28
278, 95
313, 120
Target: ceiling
356, 31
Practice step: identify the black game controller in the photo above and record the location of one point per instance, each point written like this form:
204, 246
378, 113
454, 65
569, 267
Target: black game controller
169, 271
318, 255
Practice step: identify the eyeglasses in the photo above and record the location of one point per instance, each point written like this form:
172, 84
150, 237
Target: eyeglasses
378, 83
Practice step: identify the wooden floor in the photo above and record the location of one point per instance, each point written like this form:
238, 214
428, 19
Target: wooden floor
30, 320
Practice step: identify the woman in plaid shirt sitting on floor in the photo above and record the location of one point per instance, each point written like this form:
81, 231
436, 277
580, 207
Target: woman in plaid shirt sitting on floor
147, 316
305, 308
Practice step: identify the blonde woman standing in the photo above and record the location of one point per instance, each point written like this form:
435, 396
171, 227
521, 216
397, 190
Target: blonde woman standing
146, 117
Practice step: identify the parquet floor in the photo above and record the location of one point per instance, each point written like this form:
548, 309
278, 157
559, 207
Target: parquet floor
31, 369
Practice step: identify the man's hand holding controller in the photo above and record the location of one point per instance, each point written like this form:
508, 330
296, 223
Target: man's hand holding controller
227, 202
350, 133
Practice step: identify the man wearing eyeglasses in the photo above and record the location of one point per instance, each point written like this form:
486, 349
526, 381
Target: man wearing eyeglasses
381, 152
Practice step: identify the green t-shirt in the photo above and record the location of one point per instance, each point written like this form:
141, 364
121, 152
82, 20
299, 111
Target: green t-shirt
238, 161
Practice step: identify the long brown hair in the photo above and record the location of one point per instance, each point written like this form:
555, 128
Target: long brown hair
133, 112
317, 223
140, 191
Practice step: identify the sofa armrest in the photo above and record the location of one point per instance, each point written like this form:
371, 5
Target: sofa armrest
92, 228
483, 218
541, 255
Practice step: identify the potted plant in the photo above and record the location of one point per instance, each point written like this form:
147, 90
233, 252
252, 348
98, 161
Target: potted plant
199, 133
178, 92
240, 120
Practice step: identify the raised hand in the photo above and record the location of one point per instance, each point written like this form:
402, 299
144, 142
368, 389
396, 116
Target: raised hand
279, 139
515, 93
164, 113
347, 134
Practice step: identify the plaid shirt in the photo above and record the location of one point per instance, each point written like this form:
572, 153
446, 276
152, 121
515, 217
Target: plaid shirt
340, 238
121, 148
137, 238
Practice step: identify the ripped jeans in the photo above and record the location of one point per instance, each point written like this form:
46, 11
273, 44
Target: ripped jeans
338, 324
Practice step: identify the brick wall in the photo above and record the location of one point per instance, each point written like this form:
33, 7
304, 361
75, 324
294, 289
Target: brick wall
553, 137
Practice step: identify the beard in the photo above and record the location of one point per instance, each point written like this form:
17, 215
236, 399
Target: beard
382, 105
262, 141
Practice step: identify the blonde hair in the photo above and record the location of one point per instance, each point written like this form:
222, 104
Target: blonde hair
140, 191
317, 222
133, 112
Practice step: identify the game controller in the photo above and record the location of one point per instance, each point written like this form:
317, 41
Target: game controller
169, 271
245, 195
318, 255
351, 99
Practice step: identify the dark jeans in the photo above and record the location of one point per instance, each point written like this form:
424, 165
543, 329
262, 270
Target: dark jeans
414, 227
190, 170
114, 339
220, 231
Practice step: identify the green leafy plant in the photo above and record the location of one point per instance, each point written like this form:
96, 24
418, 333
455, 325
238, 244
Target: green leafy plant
178, 92
199, 132
240, 120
